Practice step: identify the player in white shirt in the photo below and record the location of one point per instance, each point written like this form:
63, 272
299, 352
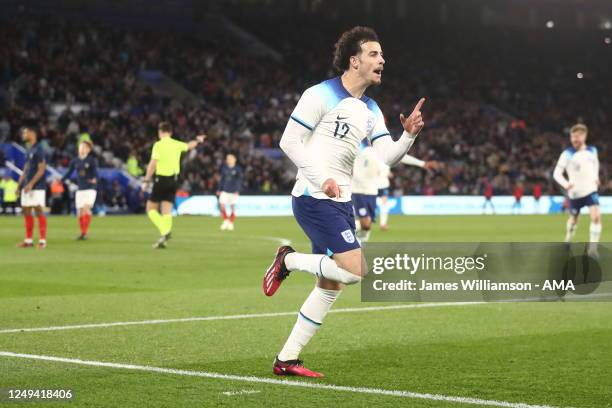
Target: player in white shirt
383, 184
581, 164
366, 174
322, 139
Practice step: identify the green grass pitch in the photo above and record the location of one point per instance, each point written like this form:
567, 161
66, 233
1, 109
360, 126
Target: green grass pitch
557, 354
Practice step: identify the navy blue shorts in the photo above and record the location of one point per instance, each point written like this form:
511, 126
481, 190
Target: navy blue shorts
586, 201
383, 192
365, 206
329, 225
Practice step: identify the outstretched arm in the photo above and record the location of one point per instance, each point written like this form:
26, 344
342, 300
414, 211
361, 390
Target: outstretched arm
194, 143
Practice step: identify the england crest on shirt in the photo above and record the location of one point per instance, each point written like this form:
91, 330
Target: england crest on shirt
348, 236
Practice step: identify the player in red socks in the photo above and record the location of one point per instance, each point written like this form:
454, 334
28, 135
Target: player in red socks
32, 189
86, 168
229, 190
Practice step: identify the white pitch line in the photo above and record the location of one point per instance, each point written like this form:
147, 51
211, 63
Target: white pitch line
232, 317
241, 392
280, 240
290, 383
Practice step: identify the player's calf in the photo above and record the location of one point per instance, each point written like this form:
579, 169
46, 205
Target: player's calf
347, 267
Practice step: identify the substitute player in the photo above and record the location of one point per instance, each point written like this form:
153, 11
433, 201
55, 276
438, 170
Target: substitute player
229, 189
322, 139
488, 195
581, 164
32, 188
383, 183
366, 174
518, 195
86, 167
164, 169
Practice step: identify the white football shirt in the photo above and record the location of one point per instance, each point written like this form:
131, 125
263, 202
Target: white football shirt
366, 172
338, 123
383, 176
582, 168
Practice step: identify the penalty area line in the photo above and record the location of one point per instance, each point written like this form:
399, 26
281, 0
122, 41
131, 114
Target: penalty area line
273, 381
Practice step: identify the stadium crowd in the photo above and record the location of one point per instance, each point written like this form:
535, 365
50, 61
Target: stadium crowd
485, 121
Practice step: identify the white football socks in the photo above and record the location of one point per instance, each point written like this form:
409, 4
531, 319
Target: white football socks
570, 230
594, 232
309, 320
321, 266
363, 235
384, 215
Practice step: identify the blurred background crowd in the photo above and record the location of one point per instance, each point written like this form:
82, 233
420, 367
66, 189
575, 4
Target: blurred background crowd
499, 102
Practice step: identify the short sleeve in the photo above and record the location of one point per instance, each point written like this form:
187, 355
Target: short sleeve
39, 156
310, 108
183, 147
155, 153
380, 127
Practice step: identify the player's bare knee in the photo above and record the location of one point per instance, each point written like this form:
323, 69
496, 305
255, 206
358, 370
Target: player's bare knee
366, 223
324, 283
351, 263
364, 268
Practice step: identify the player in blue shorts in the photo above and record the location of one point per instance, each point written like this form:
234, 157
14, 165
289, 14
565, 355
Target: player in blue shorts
366, 174
322, 139
581, 164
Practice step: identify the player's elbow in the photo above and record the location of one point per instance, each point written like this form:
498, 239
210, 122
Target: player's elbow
284, 144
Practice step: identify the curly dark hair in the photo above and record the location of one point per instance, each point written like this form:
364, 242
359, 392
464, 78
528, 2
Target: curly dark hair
349, 44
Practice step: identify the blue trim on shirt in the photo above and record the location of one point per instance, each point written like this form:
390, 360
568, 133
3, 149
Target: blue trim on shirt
592, 149
378, 136
341, 92
570, 151
373, 106
301, 122
309, 319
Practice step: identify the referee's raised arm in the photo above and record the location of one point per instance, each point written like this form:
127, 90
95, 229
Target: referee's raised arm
194, 143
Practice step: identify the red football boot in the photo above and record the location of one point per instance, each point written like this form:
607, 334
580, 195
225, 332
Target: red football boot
293, 367
277, 272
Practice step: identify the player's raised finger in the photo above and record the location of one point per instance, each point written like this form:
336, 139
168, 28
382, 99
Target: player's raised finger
419, 105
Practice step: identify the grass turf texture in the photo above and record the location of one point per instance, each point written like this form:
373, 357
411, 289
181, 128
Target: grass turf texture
536, 353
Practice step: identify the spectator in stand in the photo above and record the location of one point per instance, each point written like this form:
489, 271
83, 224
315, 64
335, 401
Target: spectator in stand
57, 196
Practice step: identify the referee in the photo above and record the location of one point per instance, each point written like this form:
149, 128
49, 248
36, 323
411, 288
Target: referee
164, 169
